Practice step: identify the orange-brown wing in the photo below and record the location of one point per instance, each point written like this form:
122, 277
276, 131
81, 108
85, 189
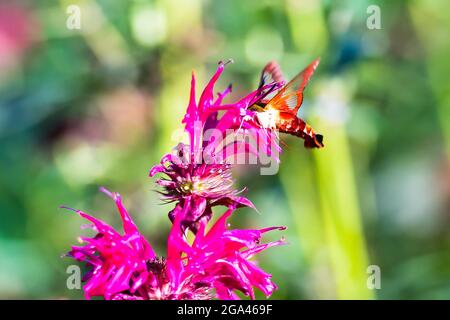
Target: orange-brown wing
271, 74
290, 97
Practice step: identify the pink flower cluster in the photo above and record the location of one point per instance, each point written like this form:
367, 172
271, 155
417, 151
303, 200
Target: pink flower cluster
217, 263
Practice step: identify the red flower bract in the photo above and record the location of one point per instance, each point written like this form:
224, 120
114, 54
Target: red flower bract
216, 264
118, 262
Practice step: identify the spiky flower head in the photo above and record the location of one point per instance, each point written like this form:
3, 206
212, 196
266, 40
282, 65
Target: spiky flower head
215, 265
198, 174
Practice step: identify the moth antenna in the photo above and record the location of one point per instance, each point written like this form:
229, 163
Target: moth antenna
226, 62
230, 60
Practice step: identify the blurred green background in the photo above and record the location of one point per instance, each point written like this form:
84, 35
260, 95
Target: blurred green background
97, 106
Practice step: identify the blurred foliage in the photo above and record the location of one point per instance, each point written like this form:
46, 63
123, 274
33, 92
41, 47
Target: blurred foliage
97, 106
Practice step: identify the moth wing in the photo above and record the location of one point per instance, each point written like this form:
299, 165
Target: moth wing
290, 97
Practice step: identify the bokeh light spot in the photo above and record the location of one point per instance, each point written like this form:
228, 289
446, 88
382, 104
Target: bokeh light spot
149, 25
263, 44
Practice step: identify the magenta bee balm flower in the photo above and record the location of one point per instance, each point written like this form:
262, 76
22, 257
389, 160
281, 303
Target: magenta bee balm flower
199, 174
196, 177
216, 265
196, 189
